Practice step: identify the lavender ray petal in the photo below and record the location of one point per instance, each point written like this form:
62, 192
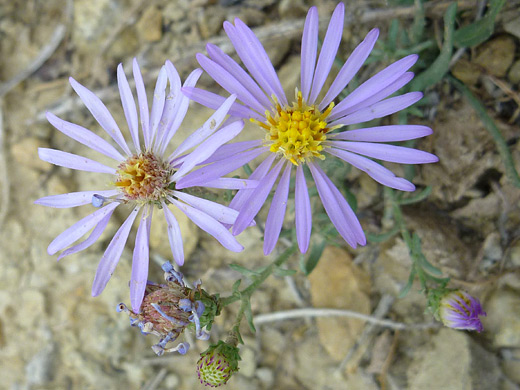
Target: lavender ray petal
227, 81
140, 262
218, 169
181, 111
230, 183
128, 102
100, 113
391, 133
215, 210
244, 43
256, 200
273, 224
391, 153
337, 208
210, 226
91, 239
382, 94
379, 110
84, 136
328, 51
174, 235
112, 254
76, 231
303, 215
73, 161
214, 101
171, 106
221, 58
228, 150
159, 100
262, 60
142, 101
72, 199
375, 84
309, 51
208, 128
350, 68
258, 174
208, 147
374, 170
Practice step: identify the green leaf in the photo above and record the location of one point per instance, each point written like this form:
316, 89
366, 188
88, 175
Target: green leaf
441, 65
281, 272
419, 22
235, 286
243, 270
378, 238
249, 316
247, 169
351, 198
408, 285
314, 256
417, 196
429, 267
476, 33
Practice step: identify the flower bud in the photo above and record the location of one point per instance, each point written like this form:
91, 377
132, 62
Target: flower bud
217, 364
459, 310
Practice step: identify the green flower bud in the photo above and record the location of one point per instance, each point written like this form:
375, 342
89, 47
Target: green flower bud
217, 364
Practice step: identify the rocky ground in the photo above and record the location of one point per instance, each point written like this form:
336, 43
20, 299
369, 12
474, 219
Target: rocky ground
54, 335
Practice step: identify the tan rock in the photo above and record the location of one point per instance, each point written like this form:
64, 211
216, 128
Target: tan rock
497, 55
337, 283
514, 73
503, 318
453, 361
25, 153
149, 26
467, 72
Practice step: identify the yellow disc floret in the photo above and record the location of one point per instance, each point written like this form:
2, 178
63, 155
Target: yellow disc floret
297, 132
143, 178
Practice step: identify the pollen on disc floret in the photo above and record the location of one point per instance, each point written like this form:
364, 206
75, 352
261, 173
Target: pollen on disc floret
298, 131
143, 177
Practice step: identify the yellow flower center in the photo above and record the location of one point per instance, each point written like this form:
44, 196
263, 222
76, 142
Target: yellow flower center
297, 132
143, 178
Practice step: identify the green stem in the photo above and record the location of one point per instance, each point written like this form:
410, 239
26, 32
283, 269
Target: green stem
259, 279
492, 129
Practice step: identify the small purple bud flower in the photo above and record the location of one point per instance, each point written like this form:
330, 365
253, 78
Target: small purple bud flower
459, 310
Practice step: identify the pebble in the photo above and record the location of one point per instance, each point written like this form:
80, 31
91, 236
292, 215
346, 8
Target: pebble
337, 283
502, 322
497, 55
453, 361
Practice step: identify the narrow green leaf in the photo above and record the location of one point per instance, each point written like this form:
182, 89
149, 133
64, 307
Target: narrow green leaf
248, 313
235, 286
243, 270
429, 267
416, 197
313, 257
441, 65
378, 238
419, 22
281, 272
408, 285
479, 31
247, 169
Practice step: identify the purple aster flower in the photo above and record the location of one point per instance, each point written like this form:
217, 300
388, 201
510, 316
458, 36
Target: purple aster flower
299, 132
142, 175
459, 310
